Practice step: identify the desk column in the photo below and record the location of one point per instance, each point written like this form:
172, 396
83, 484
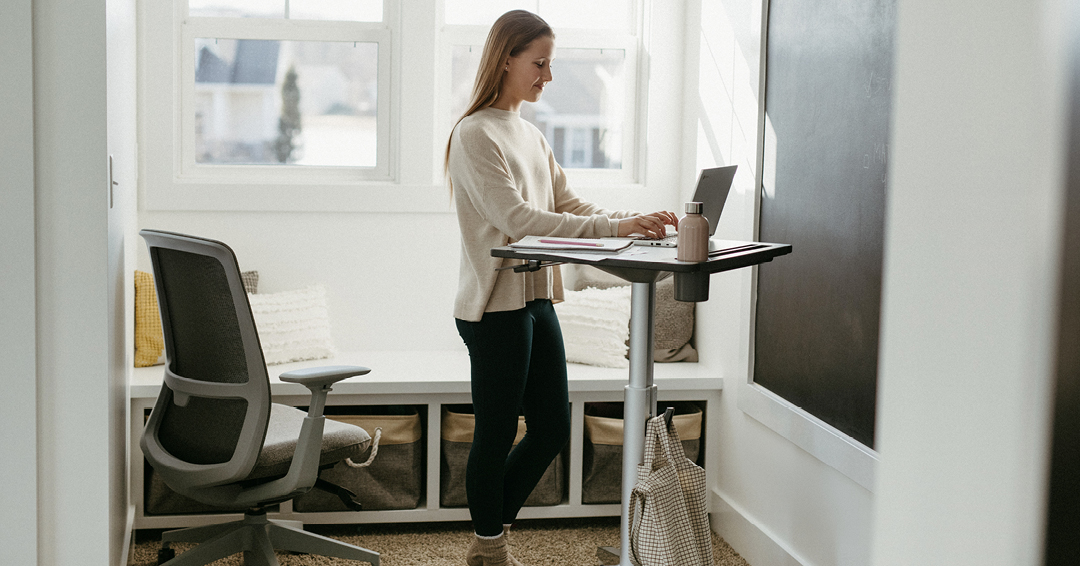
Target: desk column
640, 400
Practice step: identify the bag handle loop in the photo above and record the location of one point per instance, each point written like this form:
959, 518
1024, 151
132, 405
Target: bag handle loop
374, 451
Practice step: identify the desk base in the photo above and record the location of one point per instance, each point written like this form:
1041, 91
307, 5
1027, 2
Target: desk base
608, 555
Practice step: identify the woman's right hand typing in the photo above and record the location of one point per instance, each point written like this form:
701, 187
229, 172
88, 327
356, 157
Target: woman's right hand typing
649, 225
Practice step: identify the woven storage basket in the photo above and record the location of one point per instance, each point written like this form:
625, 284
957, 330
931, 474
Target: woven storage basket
395, 478
458, 424
601, 480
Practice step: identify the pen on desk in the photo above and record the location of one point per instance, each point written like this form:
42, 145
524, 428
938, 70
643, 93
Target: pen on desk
569, 243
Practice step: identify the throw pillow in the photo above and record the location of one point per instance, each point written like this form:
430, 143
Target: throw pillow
293, 325
673, 320
149, 340
595, 326
149, 343
250, 280
673, 325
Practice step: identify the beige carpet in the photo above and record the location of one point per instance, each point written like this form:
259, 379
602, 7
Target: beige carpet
546, 542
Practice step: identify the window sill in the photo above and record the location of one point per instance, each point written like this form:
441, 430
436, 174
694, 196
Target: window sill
356, 197
834, 448
377, 197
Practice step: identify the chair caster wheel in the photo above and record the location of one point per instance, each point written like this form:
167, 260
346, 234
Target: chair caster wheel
164, 555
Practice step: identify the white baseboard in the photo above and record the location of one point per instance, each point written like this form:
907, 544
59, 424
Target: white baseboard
747, 537
128, 552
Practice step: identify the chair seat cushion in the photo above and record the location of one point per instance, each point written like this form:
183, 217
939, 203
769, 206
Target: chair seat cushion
340, 441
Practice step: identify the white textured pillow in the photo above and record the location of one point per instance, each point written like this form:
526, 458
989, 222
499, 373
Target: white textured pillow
293, 325
595, 325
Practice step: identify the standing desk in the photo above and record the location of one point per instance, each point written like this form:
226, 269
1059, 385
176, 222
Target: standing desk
642, 266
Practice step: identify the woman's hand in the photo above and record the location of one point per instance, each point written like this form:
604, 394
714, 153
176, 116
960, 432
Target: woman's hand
650, 225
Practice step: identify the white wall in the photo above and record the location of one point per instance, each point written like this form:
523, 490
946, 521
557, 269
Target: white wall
18, 412
122, 245
973, 245
73, 317
82, 276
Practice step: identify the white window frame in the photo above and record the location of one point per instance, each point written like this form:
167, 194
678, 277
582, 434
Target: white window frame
283, 30
629, 43
172, 180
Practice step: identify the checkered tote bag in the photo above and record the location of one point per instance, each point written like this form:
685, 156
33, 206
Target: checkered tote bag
668, 513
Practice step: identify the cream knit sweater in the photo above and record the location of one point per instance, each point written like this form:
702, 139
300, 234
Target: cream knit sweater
507, 185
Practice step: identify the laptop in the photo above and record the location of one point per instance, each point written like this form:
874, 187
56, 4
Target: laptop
712, 190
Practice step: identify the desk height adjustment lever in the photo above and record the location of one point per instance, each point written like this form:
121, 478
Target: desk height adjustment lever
532, 265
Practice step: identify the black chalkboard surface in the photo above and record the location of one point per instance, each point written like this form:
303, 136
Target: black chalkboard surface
827, 105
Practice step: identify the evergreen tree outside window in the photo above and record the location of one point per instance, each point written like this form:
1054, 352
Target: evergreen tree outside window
289, 124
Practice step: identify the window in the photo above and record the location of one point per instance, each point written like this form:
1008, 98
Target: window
275, 89
318, 105
588, 112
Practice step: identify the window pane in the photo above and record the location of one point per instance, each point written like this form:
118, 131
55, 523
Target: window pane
581, 111
592, 14
237, 8
341, 10
285, 102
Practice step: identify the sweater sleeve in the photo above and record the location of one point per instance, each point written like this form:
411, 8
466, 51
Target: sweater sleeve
566, 200
482, 170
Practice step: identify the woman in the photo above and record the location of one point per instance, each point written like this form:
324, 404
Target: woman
507, 185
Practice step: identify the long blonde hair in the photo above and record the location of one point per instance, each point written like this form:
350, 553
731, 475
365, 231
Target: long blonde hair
510, 35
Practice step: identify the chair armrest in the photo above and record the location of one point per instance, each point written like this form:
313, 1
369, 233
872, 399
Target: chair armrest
319, 380
304, 469
325, 375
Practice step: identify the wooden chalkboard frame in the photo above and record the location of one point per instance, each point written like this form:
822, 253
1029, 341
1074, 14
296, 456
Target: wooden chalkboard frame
839, 393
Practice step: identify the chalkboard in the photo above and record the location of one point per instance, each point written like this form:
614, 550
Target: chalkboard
827, 105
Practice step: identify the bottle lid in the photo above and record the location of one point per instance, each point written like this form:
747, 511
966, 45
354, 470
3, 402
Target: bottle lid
695, 207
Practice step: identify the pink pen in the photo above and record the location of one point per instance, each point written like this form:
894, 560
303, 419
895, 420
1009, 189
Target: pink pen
568, 243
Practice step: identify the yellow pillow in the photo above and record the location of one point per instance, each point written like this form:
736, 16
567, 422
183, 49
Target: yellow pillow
149, 341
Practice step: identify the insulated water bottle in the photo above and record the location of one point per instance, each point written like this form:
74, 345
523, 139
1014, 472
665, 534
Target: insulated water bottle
693, 244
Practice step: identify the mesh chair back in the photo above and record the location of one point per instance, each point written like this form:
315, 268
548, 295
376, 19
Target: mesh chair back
210, 419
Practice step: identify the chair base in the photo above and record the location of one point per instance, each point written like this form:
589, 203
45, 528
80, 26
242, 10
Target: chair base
257, 537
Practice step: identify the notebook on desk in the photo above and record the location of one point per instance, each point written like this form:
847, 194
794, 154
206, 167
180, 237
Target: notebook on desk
712, 190
579, 245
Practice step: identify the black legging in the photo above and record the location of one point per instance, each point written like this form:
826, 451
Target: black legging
518, 363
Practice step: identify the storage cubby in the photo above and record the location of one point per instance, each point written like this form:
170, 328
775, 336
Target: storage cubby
403, 389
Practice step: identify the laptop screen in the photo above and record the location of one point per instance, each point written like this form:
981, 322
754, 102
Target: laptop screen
712, 190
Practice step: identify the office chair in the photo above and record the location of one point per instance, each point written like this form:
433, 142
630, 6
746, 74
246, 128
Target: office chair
214, 436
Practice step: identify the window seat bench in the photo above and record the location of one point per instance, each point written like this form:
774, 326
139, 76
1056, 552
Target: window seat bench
428, 380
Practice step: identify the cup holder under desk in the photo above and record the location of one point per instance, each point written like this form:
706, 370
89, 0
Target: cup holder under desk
418, 385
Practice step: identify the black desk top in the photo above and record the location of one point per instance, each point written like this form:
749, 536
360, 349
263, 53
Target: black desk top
729, 255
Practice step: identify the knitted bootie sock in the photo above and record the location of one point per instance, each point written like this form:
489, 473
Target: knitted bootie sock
506, 535
488, 551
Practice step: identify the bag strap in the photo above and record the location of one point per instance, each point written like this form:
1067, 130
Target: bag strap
669, 440
636, 515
